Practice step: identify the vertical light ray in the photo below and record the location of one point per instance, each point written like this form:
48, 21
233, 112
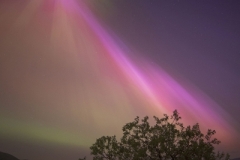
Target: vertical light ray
28, 13
62, 29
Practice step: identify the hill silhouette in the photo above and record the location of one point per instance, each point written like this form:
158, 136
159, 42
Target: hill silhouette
6, 156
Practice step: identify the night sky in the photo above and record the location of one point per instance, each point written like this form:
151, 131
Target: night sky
72, 71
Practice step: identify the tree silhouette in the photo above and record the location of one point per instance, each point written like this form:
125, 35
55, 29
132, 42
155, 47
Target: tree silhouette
168, 139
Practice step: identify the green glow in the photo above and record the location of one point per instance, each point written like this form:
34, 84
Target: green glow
40, 134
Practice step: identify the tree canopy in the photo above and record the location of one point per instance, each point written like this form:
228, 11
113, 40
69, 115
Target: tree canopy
168, 139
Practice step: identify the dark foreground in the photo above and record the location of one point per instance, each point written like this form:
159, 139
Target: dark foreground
6, 156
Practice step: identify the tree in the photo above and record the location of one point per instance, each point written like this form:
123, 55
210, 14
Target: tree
168, 139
